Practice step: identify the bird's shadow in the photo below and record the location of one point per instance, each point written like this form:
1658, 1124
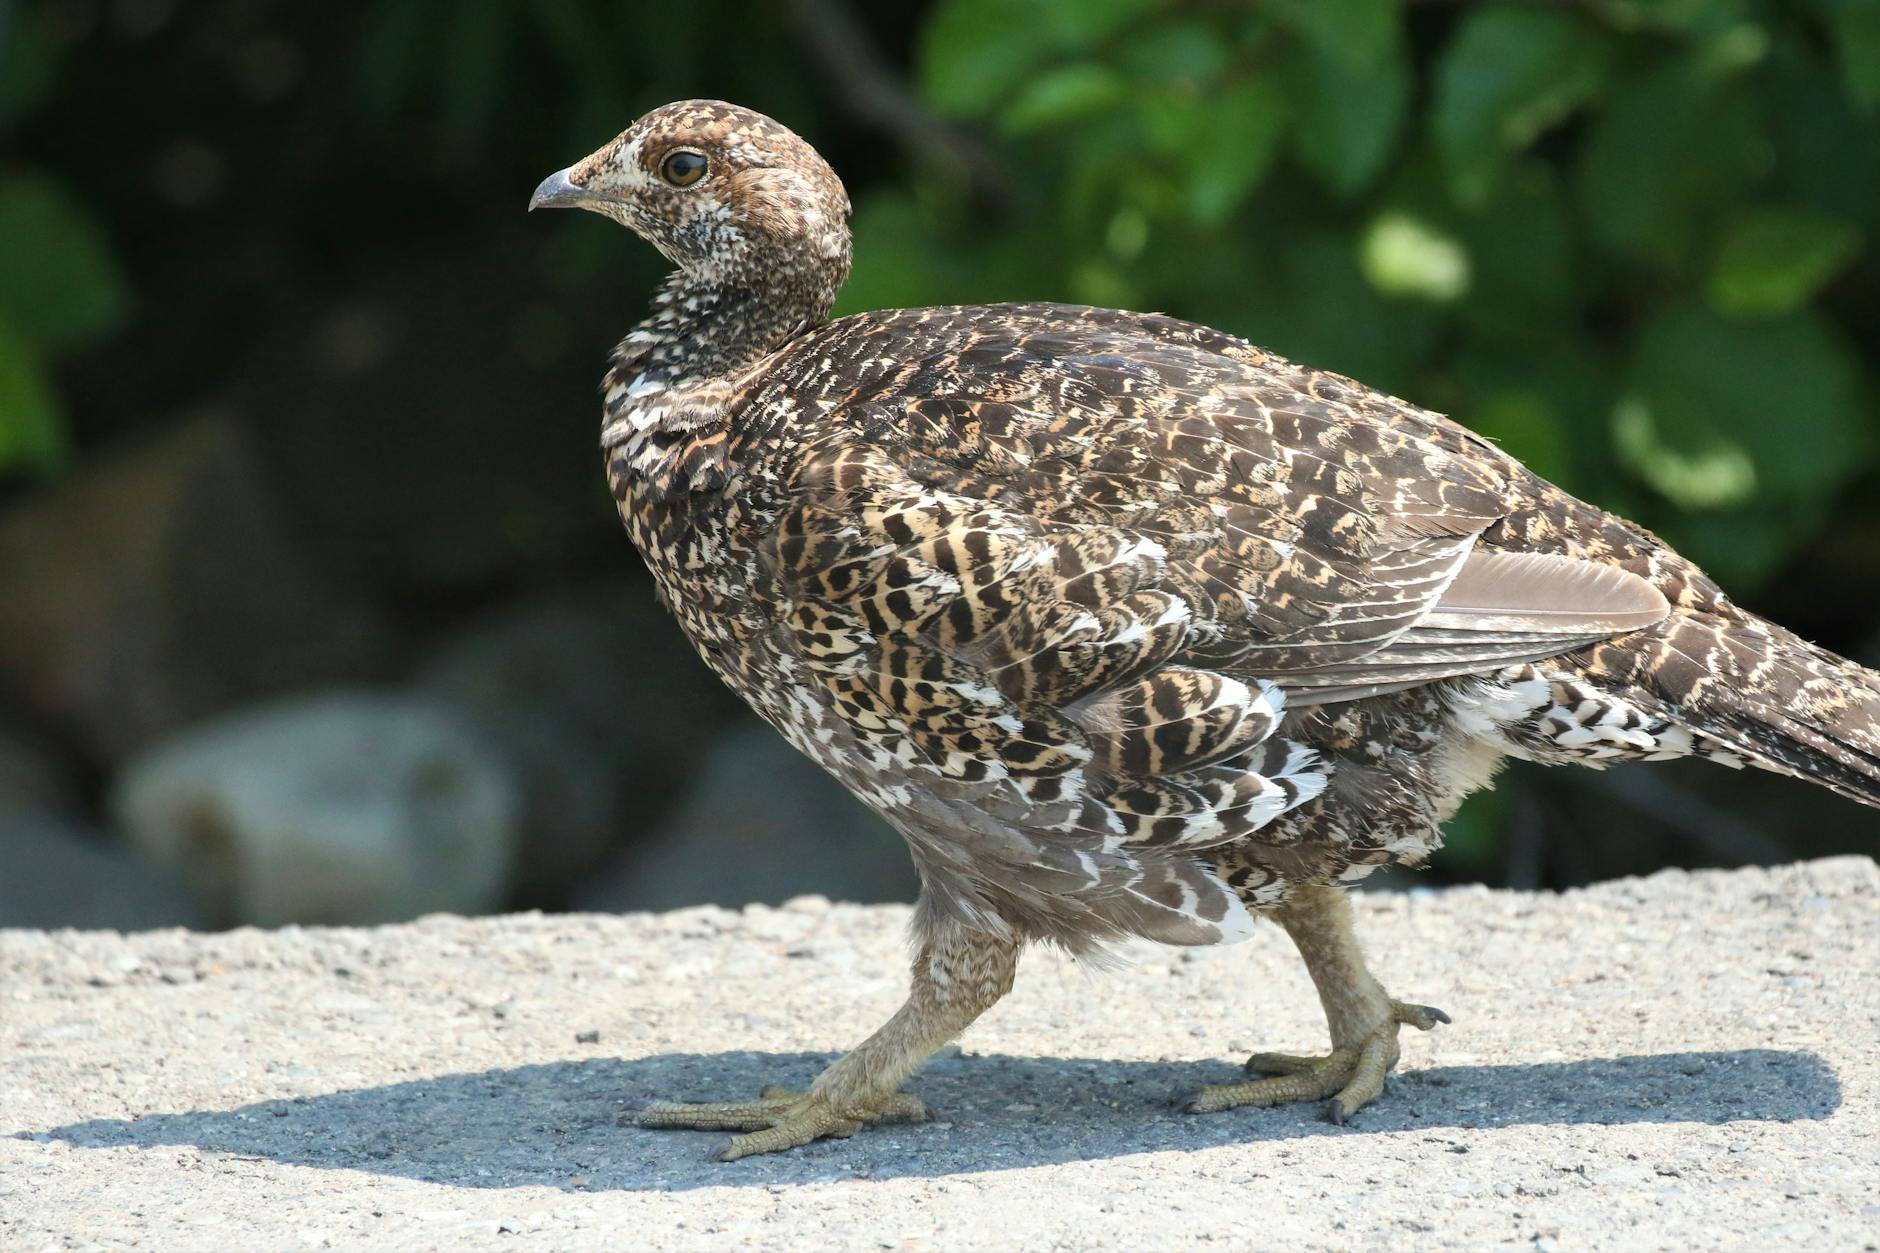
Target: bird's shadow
569, 1124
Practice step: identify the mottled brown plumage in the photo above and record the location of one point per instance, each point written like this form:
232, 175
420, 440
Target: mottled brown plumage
1128, 626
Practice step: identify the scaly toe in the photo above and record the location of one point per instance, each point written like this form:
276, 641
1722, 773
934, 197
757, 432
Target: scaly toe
903, 1107
1366, 1077
717, 1115
1280, 1063
1352, 1077
780, 1118
1300, 1079
812, 1120
806, 1118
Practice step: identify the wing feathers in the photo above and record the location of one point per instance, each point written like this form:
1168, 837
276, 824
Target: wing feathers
1501, 609
1540, 592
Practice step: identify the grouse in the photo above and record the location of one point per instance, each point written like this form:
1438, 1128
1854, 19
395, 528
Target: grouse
1130, 628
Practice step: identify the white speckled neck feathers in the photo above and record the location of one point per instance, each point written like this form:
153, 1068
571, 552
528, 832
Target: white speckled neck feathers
675, 379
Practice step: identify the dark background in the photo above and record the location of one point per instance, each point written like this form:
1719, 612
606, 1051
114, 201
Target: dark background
298, 416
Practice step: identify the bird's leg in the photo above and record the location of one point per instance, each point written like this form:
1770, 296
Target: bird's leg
1362, 1017
957, 976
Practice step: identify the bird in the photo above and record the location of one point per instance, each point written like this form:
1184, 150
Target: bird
1131, 629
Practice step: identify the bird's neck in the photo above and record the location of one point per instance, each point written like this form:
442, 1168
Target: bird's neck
676, 378
677, 369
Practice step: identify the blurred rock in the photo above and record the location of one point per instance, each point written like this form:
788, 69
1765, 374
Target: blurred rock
350, 807
160, 585
569, 688
53, 873
31, 778
759, 822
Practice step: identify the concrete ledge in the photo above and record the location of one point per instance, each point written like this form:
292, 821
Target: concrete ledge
1689, 1060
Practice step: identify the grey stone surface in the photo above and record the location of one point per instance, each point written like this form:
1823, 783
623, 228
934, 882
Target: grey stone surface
1685, 1061
350, 806
32, 777
54, 872
757, 821
599, 704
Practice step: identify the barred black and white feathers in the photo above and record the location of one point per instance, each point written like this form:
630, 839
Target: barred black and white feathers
1126, 624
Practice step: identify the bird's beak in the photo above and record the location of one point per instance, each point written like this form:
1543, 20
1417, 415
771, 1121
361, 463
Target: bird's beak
556, 192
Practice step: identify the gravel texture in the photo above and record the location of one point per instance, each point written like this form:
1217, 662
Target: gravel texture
1684, 1061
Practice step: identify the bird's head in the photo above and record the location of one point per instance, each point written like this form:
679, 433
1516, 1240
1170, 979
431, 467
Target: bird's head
727, 194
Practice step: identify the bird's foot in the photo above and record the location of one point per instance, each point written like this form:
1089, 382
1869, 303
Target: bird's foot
1351, 1076
780, 1118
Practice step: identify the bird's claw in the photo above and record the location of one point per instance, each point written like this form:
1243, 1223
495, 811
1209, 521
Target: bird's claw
780, 1118
1351, 1076
1422, 1017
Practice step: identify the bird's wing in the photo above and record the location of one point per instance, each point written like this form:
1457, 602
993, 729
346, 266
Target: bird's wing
1328, 546
1062, 582
1010, 687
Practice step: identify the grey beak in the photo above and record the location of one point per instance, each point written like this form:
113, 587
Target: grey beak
556, 192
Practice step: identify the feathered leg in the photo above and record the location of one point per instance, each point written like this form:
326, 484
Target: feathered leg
957, 976
1362, 1017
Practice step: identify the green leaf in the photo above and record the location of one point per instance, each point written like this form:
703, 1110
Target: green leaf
32, 430
1545, 392
1346, 120
1063, 95
1360, 33
907, 253
1713, 471
1522, 244
1081, 24
1718, 412
1732, 49
1243, 129
1827, 155
1669, 148
1188, 56
1676, 17
1773, 260
29, 62
1403, 255
894, 261
58, 282
1507, 75
1856, 28
974, 53
1528, 428
1319, 310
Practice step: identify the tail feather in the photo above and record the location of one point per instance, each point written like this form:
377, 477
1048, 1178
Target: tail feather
1780, 702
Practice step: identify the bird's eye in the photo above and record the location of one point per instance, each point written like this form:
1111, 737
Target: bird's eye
682, 169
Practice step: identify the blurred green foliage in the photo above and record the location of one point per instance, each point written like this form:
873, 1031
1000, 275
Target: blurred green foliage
60, 287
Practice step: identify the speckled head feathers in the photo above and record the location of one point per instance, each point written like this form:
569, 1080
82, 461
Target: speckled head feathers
727, 194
